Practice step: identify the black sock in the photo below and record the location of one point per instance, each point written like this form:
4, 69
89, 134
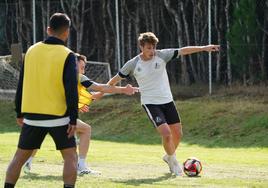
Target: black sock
9, 185
68, 186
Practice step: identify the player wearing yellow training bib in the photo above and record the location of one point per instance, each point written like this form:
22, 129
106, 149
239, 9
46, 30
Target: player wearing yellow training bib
83, 130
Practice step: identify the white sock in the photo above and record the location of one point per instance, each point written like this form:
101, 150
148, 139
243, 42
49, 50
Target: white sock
172, 157
81, 161
30, 160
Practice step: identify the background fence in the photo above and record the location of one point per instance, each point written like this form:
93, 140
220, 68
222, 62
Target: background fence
239, 26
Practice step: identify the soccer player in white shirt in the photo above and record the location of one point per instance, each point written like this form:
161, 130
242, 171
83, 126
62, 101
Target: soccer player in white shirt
149, 70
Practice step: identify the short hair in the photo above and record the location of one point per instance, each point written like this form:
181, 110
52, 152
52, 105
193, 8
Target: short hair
147, 37
59, 22
81, 57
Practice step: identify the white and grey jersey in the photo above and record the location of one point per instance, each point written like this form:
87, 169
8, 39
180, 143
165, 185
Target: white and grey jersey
85, 81
151, 76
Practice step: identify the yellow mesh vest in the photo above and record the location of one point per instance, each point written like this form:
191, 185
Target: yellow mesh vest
43, 90
85, 98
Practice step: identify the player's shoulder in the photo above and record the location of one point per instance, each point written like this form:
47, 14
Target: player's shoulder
134, 59
164, 51
132, 62
83, 77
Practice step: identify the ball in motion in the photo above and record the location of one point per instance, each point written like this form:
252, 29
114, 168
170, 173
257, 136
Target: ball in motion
192, 167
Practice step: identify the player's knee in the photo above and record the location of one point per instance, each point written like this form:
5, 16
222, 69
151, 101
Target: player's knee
167, 136
181, 133
88, 129
177, 131
70, 155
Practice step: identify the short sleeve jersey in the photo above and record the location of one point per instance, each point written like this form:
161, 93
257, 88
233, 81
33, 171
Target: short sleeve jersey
152, 76
85, 81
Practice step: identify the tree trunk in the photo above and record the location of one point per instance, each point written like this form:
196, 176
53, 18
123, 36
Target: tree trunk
145, 16
187, 33
106, 31
80, 21
129, 49
18, 22
5, 31
229, 70
137, 28
264, 42
217, 22
151, 10
122, 36
45, 16
95, 41
184, 75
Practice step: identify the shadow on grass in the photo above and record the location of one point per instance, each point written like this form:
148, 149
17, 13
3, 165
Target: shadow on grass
36, 176
148, 181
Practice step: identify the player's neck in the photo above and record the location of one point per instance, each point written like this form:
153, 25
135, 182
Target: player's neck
145, 58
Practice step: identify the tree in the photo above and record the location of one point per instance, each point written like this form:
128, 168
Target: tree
242, 37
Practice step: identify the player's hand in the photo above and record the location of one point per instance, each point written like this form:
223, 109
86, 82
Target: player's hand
130, 90
71, 130
212, 48
97, 95
19, 121
84, 109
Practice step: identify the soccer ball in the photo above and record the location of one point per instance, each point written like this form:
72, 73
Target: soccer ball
192, 167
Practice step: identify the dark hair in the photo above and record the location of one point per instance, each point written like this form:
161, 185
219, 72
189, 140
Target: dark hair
147, 37
59, 22
81, 57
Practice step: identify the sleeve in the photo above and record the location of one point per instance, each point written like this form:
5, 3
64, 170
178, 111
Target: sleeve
85, 81
70, 86
168, 54
128, 68
18, 97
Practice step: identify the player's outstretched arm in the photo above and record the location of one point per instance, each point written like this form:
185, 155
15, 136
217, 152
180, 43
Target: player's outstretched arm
97, 95
194, 49
105, 88
113, 81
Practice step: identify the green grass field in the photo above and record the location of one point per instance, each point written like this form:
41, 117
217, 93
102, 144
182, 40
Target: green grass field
227, 133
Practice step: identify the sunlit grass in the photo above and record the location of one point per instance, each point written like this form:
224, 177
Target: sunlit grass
131, 165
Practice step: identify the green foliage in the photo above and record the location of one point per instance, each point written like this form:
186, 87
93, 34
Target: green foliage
243, 37
3, 45
7, 119
219, 121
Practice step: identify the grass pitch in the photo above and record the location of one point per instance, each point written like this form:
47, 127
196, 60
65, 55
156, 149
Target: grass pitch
227, 133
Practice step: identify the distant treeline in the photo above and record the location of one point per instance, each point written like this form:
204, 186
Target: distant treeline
239, 26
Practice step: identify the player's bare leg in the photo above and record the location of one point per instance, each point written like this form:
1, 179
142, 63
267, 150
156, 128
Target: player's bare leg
167, 138
28, 164
14, 168
176, 131
84, 132
169, 146
70, 165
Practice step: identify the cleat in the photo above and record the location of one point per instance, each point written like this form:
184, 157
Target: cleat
166, 160
86, 170
177, 169
174, 166
27, 168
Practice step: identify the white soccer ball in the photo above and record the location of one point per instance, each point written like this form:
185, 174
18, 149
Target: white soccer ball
192, 167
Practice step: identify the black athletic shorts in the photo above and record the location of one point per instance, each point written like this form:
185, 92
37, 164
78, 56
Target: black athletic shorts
31, 137
162, 113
